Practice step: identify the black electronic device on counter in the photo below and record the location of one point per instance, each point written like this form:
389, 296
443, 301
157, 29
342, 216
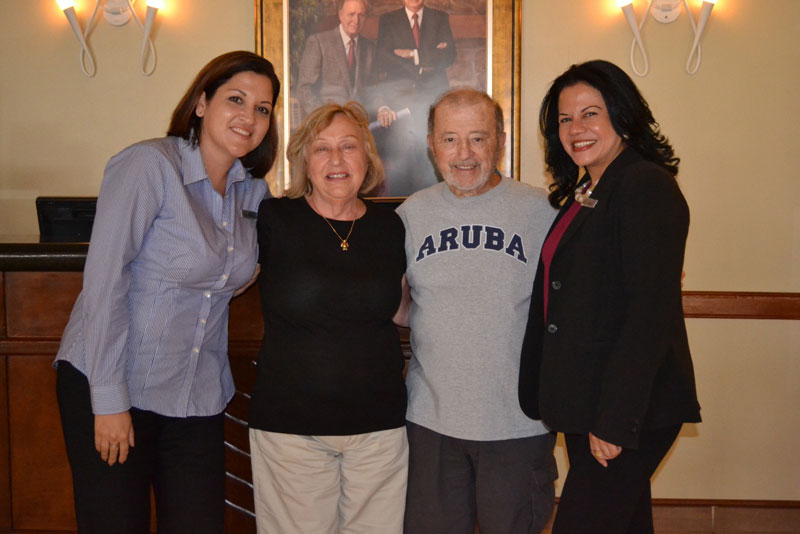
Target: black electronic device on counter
65, 219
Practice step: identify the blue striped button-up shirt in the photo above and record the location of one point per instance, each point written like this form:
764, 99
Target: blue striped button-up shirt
149, 328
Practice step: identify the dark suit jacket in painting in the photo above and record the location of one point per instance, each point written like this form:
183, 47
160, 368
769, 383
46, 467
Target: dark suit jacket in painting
407, 83
324, 76
612, 356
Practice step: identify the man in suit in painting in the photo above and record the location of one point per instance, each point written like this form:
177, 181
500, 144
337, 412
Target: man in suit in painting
415, 47
337, 64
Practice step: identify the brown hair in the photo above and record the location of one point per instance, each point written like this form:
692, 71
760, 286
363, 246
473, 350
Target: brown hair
187, 125
314, 123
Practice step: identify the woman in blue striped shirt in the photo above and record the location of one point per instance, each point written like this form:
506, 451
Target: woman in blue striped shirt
143, 373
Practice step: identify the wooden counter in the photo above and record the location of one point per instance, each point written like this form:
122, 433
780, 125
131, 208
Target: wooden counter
39, 283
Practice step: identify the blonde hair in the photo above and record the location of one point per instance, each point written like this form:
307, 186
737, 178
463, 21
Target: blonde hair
314, 123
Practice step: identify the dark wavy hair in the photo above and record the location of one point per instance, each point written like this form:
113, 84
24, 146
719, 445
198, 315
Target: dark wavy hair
187, 125
630, 117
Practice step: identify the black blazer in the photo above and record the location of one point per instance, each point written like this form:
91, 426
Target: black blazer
612, 356
406, 82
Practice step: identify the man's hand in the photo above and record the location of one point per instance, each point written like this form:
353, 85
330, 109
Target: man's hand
386, 116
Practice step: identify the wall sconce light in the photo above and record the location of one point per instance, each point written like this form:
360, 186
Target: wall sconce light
117, 13
666, 11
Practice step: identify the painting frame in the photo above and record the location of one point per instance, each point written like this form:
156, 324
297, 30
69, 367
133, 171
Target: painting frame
503, 45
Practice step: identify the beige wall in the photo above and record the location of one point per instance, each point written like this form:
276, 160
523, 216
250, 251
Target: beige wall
733, 124
57, 127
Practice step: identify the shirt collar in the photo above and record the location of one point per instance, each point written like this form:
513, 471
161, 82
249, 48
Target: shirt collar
345, 37
410, 14
194, 170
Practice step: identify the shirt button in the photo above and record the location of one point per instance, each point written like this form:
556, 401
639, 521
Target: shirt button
196, 350
555, 284
224, 223
224, 277
207, 294
202, 320
552, 329
230, 249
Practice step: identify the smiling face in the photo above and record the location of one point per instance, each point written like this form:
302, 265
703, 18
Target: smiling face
337, 161
235, 120
585, 129
466, 147
352, 16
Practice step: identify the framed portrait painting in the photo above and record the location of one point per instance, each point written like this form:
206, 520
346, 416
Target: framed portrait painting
394, 63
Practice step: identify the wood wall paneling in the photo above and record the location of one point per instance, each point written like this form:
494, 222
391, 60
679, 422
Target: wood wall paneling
2, 306
5, 468
38, 304
41, 482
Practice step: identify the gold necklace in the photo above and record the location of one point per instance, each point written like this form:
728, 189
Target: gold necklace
345, 246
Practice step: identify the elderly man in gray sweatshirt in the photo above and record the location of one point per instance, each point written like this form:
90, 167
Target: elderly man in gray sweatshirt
472, 244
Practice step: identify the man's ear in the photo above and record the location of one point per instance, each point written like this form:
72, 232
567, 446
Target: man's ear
501, 146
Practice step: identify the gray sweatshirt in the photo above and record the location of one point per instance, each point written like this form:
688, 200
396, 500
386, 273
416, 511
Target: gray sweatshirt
471, 265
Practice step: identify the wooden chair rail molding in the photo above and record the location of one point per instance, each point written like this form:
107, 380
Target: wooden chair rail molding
741, 305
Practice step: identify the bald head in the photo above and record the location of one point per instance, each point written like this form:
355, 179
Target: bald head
467, 96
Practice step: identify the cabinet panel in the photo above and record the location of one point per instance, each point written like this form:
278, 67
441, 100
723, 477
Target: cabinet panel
5, 481
41, 482
39, 304
2, 307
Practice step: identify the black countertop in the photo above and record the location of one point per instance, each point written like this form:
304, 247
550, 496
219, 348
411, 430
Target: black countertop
28, 253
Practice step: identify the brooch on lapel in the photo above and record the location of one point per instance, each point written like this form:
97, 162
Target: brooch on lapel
583, 195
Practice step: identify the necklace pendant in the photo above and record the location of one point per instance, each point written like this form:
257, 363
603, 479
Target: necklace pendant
345, 246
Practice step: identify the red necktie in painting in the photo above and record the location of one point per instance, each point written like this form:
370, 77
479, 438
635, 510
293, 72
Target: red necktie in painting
415, 29
351, 59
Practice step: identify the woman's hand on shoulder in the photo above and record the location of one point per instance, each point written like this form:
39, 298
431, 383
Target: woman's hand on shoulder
113, 436
603, 450
249, 282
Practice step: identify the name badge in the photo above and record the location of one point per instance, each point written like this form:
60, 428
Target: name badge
247, 214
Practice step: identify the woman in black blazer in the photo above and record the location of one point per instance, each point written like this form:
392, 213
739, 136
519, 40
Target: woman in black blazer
605, 358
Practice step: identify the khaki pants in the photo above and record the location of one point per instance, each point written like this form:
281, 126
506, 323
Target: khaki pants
329, 484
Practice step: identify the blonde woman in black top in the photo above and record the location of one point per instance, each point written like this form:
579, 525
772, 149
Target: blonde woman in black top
327, 415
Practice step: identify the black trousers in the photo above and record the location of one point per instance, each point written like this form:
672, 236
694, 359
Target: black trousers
183, 459
613, 499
